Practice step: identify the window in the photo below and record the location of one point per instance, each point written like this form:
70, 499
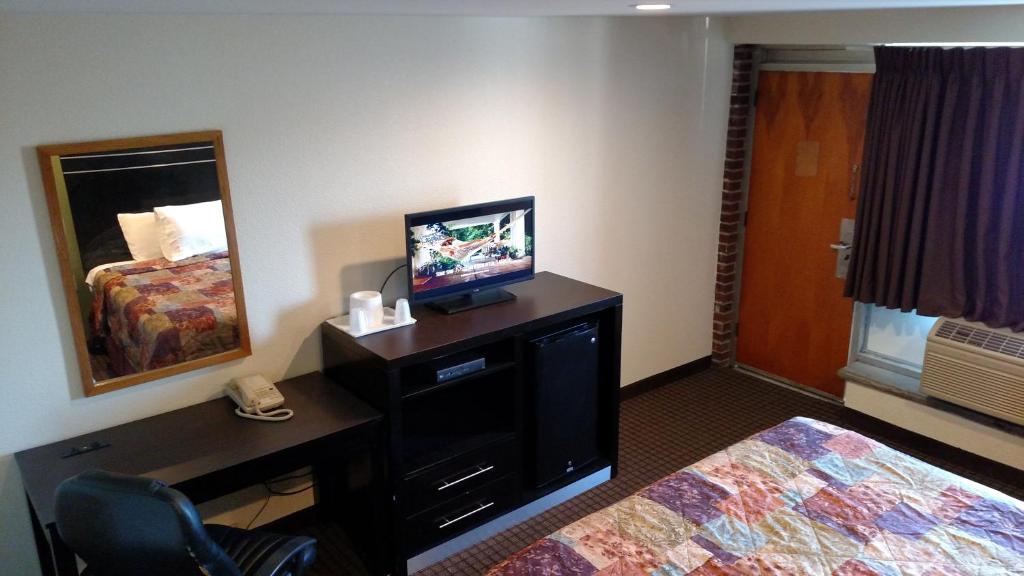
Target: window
890, 339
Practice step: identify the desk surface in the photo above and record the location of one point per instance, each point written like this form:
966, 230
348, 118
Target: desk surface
546, 297
192, 442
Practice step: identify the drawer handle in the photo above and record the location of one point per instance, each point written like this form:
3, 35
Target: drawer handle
478, 472
464, 516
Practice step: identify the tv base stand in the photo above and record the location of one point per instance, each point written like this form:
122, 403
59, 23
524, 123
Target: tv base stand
472, 300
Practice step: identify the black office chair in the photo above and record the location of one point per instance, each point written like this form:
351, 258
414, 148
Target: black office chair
131, 526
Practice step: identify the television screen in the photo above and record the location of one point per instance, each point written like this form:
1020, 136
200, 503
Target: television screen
464, 249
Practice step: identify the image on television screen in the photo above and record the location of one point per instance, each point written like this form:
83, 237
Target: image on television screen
454, 252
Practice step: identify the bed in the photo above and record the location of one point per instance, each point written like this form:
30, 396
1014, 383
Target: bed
804, 497
155, 313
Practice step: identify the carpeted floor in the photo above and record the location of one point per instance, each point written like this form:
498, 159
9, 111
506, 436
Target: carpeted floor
671, 427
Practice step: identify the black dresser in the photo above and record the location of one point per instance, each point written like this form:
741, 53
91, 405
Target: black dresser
490, 409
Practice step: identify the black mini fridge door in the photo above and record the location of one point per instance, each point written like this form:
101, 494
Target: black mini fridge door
565, 391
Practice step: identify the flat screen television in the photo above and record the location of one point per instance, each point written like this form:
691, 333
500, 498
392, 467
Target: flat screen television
458, 257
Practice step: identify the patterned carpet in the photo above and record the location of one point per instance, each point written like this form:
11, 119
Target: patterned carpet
669, 428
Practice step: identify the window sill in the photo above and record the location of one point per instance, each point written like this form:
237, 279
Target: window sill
909, 388
884, 380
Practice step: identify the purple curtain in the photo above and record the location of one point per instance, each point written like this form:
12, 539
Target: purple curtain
940, 220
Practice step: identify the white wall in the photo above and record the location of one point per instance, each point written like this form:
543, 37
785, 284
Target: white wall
977, 24
952, 429
334, 127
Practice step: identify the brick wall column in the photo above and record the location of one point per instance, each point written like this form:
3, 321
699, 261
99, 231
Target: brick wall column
726, 304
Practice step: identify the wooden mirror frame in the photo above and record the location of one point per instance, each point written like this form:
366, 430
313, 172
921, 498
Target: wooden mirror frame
61, 234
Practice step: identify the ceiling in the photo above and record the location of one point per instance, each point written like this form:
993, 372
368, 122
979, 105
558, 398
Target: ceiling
469, 7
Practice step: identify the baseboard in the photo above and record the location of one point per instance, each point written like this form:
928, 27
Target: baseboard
667, 377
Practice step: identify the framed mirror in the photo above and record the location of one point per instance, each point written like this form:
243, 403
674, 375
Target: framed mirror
149, 263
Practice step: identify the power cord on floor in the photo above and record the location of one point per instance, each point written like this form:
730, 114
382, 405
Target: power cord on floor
289, 493
271, 493
292, 477
258, 512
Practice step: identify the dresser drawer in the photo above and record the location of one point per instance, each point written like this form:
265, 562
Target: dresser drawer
441, 523
449, 479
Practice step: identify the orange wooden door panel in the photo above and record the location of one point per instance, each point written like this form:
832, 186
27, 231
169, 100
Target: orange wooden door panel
808, 135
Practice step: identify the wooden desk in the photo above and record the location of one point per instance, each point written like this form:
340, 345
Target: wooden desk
206, 451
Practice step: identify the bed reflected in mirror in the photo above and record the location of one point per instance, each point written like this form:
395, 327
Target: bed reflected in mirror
146, 243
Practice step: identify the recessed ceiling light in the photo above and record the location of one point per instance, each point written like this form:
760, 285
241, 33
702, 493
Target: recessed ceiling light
652, 6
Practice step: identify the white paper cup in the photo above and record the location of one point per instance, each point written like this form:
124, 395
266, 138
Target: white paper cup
357, 321
369, 301
402, 313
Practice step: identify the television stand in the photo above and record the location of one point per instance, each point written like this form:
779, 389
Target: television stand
461, 452
472, 300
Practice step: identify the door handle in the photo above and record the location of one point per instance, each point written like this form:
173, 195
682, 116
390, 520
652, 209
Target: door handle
843, 246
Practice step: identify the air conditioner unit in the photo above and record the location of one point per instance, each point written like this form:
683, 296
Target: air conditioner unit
972, 365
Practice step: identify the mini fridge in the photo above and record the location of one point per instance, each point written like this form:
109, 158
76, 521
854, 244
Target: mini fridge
564, 395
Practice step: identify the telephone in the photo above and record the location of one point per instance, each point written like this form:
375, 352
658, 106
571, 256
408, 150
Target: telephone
257, 399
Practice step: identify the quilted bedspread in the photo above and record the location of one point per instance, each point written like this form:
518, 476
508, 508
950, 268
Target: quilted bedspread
156, 313
803, 497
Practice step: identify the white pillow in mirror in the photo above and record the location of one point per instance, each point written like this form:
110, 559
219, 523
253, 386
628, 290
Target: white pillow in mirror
191, 229
141, 233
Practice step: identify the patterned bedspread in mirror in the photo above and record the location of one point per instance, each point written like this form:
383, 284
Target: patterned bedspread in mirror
804, 497
156, 313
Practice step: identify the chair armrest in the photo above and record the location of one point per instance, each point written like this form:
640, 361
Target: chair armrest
263, 553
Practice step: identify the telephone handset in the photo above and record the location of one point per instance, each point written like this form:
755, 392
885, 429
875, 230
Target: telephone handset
257, 399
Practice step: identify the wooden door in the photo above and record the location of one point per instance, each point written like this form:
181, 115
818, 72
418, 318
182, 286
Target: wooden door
808, 133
